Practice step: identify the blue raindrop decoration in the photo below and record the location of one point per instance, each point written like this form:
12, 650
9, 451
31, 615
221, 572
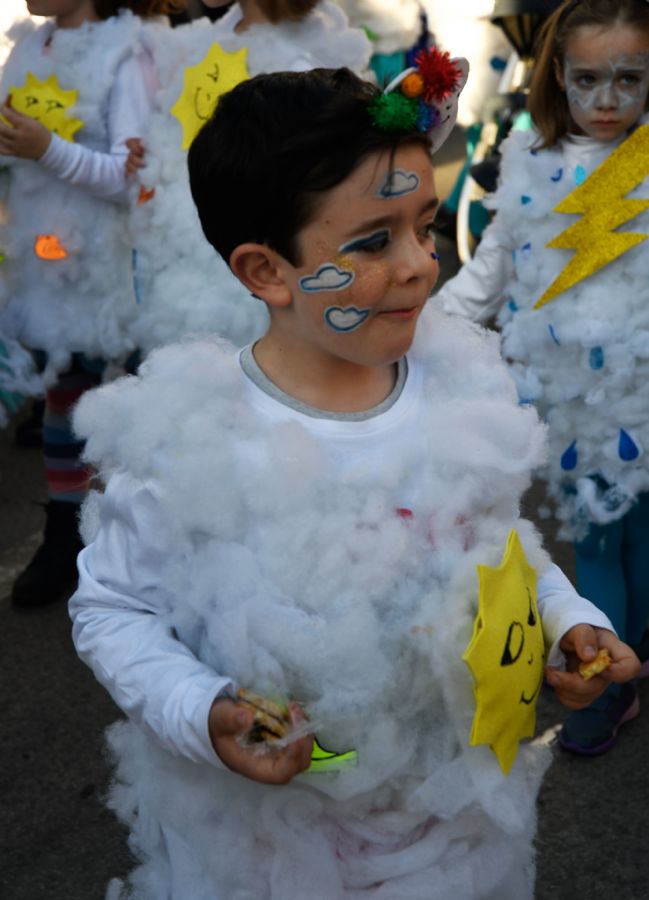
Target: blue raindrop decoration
558, 175
553, 335
525, 199
569, 458
596, 358
580, 175
627, 447
512, 305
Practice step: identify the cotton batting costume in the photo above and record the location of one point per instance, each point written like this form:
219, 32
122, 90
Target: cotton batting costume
582, 357
327, 560
183, 287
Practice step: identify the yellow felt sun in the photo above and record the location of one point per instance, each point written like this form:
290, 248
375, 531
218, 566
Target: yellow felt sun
216, 74
506, 654
48, 103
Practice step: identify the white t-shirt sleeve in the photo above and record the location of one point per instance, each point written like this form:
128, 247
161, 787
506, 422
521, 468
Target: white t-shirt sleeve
129, 108
478, 290
120, 631
561, 608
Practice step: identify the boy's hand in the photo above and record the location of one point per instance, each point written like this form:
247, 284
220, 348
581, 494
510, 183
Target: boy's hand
580, 644
228, 723
23, 137
135, 158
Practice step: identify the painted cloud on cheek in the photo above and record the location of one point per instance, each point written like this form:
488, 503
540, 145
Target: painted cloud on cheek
327, 278
347, 318
399, 183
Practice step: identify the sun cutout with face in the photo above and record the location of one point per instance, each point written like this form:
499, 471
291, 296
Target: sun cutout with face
506, 654
48, 103
216, 74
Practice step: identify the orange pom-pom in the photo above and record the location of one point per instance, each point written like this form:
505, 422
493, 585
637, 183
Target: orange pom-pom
412, 85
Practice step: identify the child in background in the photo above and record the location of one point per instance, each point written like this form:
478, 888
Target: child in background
183, 286
303, 519
68, 284
583, 355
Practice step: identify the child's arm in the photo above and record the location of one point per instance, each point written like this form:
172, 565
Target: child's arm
100, 173
478, 290
119, 631
575, 630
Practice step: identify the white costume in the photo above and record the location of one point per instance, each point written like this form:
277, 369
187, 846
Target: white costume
394, 26
183, 286
75, 192
327, 560
583, 357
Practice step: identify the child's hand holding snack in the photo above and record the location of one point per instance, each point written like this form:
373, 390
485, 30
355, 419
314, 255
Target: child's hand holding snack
239, 728
575, 687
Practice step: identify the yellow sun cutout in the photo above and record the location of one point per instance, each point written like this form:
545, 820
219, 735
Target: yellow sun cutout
48, 103
216, 74
506, 654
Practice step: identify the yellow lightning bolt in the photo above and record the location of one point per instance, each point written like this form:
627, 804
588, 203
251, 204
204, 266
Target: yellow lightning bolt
601, 201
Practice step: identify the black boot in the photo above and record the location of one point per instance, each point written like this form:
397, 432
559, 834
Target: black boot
30, 432
52, 573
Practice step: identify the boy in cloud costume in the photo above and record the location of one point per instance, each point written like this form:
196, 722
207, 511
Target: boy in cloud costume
182, 286
309, 529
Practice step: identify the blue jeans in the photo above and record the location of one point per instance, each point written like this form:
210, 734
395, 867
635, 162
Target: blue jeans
613, 570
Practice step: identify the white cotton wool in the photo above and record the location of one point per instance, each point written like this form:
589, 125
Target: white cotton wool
583, 357
306, 582
394, 26
85, 301
184, 287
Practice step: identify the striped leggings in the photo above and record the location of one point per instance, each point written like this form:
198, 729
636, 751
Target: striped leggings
67, 476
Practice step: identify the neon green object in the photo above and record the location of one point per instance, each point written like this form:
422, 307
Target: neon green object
323, 760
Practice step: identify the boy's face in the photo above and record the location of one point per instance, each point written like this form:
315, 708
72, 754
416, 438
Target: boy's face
367, 262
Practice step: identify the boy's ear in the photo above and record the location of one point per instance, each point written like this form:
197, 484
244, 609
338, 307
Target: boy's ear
260, 269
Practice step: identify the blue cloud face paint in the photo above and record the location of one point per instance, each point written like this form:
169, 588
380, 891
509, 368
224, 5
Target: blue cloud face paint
345, 319
328, 277
398, 183
372, 243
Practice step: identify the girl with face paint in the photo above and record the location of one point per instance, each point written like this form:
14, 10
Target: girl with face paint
574, 308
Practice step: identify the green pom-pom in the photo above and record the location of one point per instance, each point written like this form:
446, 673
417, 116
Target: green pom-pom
394, 112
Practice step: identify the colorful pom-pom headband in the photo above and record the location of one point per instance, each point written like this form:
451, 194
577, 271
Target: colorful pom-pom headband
423, 98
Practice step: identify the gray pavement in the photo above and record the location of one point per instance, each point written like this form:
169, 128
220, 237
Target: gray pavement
58, 842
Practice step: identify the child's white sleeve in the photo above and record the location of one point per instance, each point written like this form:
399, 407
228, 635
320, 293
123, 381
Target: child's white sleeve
129, 107
561, 608
478, 290
120, 631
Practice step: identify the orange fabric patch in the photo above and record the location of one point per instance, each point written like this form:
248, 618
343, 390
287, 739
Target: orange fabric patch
49, 247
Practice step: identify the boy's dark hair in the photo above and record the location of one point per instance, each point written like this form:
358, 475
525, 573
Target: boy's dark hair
547, 102
260, 165
144, 8
280, 10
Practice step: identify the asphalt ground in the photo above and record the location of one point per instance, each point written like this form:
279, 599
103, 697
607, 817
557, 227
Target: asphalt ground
58, 841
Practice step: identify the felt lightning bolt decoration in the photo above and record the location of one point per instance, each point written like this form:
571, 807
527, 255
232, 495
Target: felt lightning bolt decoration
601, 201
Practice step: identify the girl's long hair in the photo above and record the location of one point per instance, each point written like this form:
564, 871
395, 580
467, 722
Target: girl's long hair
547, 100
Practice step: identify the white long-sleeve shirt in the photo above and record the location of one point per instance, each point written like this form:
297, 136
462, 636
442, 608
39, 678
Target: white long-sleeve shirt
128, 112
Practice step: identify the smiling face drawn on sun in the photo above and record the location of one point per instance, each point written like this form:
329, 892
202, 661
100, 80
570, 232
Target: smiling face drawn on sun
216, 74
48, 103
506, 654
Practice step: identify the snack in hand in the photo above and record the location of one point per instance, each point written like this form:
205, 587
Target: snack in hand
595, 666
271, 720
